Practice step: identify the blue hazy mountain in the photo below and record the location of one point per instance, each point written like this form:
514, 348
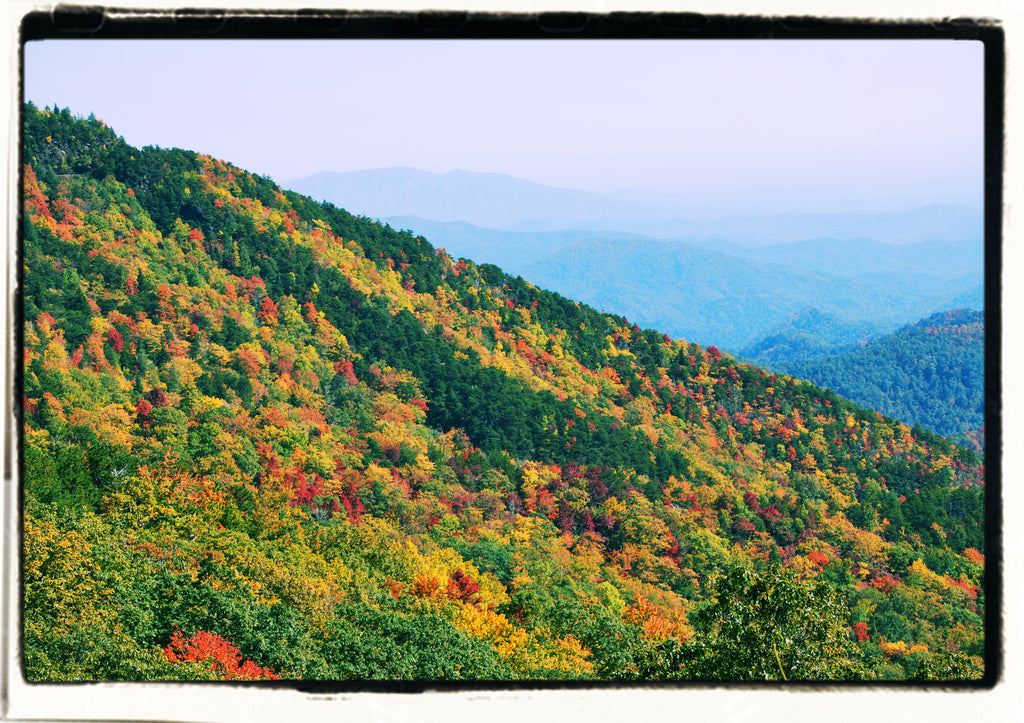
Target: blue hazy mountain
973, 298
733, 297
713, 297
513, 251
937, 222
810, 334
492, 200
499, 201
734, 282
945, 259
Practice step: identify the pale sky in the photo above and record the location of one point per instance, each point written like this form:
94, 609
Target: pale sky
809, 125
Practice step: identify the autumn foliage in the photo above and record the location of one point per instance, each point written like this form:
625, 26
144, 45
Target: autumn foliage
220, 656
307, 436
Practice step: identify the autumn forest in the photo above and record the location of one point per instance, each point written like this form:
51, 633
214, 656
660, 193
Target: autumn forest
264, 439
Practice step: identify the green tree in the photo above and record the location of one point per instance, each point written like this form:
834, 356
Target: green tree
770, 626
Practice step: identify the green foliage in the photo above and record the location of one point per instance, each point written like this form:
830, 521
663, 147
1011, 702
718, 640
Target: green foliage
929, 373
769, 626
808, 334
366, 644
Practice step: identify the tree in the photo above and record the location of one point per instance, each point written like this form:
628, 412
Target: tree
770, 626
219, 657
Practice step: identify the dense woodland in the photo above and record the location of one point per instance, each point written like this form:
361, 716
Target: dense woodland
807, 335
265, 439
930, 373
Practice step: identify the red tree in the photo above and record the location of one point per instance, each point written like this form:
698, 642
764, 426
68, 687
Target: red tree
143, 410
268, 310
462, 587
344, 368
222, 656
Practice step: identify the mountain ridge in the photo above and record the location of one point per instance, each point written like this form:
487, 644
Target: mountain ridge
486, 199
809, 334
504, 202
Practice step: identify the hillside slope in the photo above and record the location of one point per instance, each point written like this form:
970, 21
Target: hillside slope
265, 438
929, 373
809, 334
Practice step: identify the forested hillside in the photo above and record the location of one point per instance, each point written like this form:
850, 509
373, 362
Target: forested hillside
930, 373
809, 334
266, 439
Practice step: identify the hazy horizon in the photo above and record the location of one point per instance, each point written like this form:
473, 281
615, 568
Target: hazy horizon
770, 126
656, 197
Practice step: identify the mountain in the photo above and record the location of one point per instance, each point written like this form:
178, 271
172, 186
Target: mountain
502, 202
930, 373
264, 438
974, 298
492, 200
726, 297
863, 257
718, 298
809, 334
513, 251
937, 222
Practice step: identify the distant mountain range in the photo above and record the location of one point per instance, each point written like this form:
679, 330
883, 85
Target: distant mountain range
712, 297
730, 296
502, 202
492, 200
858, 257
736, 282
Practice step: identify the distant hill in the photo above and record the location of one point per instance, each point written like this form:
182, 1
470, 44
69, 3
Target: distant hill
931, 223
498, 201
929, 373
973, 298
937, 222
513, 251
729, 297
809, 334
700, 294
492, 200
941, 259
